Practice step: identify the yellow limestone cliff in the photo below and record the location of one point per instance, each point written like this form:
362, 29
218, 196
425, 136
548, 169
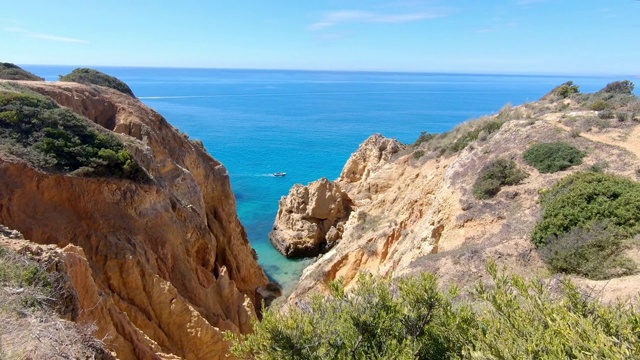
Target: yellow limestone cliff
413, 209
162, 268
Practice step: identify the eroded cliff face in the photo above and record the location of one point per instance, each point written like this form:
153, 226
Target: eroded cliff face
162, 268
413, 208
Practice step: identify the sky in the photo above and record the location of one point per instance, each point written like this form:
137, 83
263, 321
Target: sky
564, 37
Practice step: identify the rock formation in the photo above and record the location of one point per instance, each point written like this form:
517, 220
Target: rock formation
413, 209
310, 220
162, 268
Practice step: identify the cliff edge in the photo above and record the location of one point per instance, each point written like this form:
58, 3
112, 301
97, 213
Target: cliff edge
416, 208
161, 266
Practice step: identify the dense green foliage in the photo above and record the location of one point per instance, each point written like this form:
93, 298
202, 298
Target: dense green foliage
94, 77
10, 71
34, 128
565, 90
412, 319
496, 174
619, 87
553, 157
587, 221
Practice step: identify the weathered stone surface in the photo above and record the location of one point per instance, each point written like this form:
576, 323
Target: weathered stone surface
310, 219
415, 215
375, 152
163, 268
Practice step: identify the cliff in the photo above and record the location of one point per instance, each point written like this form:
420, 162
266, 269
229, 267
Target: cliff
414, 210
162, 266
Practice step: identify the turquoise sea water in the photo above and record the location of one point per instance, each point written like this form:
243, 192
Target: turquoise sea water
307, 124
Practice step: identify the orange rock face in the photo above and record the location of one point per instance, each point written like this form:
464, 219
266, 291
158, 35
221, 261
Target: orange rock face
161, 268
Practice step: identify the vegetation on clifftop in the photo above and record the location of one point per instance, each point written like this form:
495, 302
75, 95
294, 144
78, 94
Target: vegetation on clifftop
587, 224
412, 319
553, 157
95, 77
495, 175
10, 71
37, 130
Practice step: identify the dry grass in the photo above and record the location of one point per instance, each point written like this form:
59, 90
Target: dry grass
41, 335
32, 305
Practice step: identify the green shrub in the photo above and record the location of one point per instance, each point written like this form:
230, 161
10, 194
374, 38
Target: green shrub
619, 87
414, 321
553, 157
595, 252
35, 129
94, 77
495, 175
586, 223
10, 71
582, 199
565, 90
599, 105
511, 318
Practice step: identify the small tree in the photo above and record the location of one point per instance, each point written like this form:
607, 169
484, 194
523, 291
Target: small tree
565, 90
619, 87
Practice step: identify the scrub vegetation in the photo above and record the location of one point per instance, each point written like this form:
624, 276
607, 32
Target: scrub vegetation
10, 71
94, 77
553, 157
495, 175
589, 220
411, 318
38, 131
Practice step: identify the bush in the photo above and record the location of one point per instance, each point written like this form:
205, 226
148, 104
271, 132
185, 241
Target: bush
582, 199
587, 221
565, 90
413, 321
596, 252
553, 157
35, 129
495, 175
599, 105
605, 114
510, 319
94, 77
619, 87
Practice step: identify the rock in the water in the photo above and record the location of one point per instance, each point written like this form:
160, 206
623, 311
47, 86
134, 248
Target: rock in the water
310, 219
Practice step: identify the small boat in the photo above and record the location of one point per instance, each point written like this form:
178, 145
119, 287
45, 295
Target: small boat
279, 174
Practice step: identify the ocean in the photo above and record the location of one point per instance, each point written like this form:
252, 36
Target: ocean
307, 123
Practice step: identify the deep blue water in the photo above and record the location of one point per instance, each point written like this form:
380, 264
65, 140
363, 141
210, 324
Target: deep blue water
307, 124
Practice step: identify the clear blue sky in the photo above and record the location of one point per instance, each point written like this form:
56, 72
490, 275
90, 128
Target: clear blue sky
511, 36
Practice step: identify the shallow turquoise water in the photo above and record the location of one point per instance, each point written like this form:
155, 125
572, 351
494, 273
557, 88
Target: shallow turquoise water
307, 124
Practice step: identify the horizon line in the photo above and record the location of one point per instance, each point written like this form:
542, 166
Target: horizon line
444, 72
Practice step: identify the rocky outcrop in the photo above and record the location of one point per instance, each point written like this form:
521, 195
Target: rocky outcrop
414, 211
162, 268
311, 219
374, 153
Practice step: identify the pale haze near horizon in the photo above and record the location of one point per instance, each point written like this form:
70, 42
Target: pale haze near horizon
518, 36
